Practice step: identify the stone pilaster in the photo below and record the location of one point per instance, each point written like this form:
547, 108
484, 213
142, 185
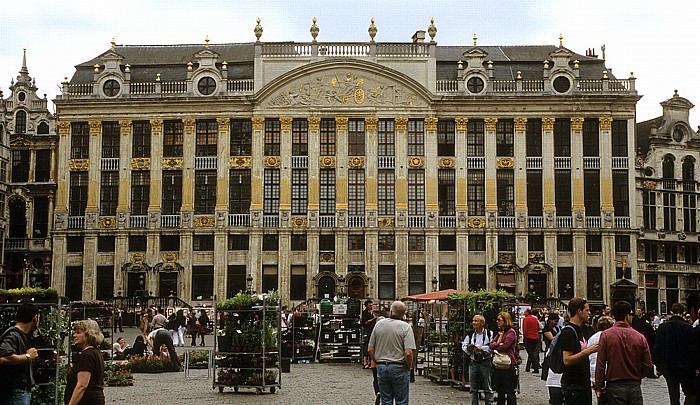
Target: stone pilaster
577, 204
520, 168
257, 165
548, 202
371, 169
314, 170
401, 262
223, 153
220, 262
284, 267
125, 142
63, 178
371, 259
156, 163
341, 172
188, 144
461, 205
92, 207
431, 184
401, 178
490, 152
606, 183
89, 266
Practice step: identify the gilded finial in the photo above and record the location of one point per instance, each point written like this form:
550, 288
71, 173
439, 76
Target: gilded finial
189, 66
314, 30
475, 38
372, 30
459, 65
113, 44
258, 30
675, 93
632, 75
546, 64
206, 42
127, 68
224, 65
65, 79
432, 30
520, 75
157, 77
97, 68
605, 74
561, 40
576, 64
489, 64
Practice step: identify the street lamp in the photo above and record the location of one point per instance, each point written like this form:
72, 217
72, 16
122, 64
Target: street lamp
435, 283
249, 282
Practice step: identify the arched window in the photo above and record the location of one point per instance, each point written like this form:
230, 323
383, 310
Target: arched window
688, 169
20, 122
43, 128
668, 167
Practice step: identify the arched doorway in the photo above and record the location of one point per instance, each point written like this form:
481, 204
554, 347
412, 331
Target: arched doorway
357, 286
167, 283
18, 218
326, 285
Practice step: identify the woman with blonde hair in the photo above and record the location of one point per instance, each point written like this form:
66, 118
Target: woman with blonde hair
86, 376
504, 380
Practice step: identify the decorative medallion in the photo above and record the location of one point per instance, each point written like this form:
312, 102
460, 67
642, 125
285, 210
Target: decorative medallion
141, 163
476, 222
170, 257
240, 162
520, 124
327, 257
401, 123
447, 163
639, 161
505, 163
108, 223
506, 258
327, 161
19, 142
357, 161
204, 221
577, 124
137, 258
386, 222
189, 124
371, 123
224, 123
548, 124
416, 161
299, 222
490, 123
172, 163
95, 127
460, 123
649, 185
286, 123
156, 125
258, 122
314, 122
606, 123
63, 127
125, 126
79, 164
341, 123
272, 161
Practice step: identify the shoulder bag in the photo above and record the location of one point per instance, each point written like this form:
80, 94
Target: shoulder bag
501, 361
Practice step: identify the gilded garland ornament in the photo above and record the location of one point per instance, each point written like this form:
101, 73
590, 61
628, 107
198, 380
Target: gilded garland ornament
240, 162
476, 223
272, 161
137, 258
386, 222
79, 164
170, 257
299, 222
107, 223
505, 163
327, 257
416, 161
639, 161
327, 161
447, 163
172, 163
357, 161
649, 185
204, 221
140, 163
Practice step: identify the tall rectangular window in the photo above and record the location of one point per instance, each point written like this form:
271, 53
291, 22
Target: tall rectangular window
20, 122
236, 279
387, 282
594, 283
535, 242
566, 282
619, 138
416, 137
591, 192
591, 137
300, 137
446, 137
477, 278
141, 139
271, 192
594, 243
475, 137
168, 243
172, 192
202, 282
446, 192
207, 134
356, 137
238, 242
327, 191
74, 283
272, 137
386, 195
173, 136
43, 165
448, 277
562, 137
386, 138
386, 242
239, 191
416, 279
297, 283
356, 242
533, 137
203, 243
241, 137
669, 201
476, 192
140, 191
534, 193
105, 244
562, 192
565, 243
298, 242
416, 243
327, 132
300, 191
79, 141
690, 204
356, 192
204, 191
505, 137
109, 193
620, 193
505, 185
110, 139
649, 209
20, 165
416, 192
651, 251
477, 243
41, 217
269, 278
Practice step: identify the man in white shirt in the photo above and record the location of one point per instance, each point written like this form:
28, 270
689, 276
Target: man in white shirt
476, 345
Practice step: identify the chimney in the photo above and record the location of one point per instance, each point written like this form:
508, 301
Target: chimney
418, 37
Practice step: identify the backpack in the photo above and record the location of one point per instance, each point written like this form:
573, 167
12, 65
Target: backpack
555, 354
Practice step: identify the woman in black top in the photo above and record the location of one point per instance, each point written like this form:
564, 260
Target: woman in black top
138, 350
86, 376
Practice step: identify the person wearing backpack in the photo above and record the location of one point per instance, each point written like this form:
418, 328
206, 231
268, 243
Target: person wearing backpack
16, 358
476, 346
576, 378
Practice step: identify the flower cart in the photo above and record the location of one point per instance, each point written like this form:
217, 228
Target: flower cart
341, 331
101, 312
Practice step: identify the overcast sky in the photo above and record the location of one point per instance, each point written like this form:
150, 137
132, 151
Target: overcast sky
658, 41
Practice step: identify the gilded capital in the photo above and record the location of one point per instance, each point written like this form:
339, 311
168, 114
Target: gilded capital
371, 123
490, 123
577, 123
95, 127
314, 122
156, 125
548, 124
63, 127
286, 123
189, 124
606, 123
401, 122
223, 123
341, 123
520, 124
258, 122
125, 126
431, 123
460, 123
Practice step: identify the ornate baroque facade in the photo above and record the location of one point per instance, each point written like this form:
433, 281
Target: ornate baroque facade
381, 169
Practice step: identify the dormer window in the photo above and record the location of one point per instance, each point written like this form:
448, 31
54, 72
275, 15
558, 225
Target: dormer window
475, 85
562, 84
21, 96
678, 134
111, 88
206, 86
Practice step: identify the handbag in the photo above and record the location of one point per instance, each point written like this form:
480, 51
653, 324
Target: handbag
501, 361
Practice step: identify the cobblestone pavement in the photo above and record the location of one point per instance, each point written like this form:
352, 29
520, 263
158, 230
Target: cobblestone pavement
326, 383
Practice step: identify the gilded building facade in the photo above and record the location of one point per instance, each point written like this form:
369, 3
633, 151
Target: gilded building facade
27, 183
667, 207
375, 169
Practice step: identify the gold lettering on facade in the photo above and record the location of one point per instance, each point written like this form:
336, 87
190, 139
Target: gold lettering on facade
140, 163
606, 123
371, 123
189, 124
447, 163
401, 123
476, 222
79, 164
327, 161
314, 122
548, 124
416, 161
272, 161
357, 162
505, 163
460, 123
240, 162
156, 125
490, 123
63, 127
341, 123
577, 123
224, 123
286, 123
520, 124
258, 123
204, 221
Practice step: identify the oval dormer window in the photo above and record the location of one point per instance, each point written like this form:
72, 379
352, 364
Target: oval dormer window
21, 96
111, 88
562, 84
475, 85
678, 134
206, 86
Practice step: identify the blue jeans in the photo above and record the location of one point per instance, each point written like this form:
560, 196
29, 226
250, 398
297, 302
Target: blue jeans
480, 379
393, 383
18, 397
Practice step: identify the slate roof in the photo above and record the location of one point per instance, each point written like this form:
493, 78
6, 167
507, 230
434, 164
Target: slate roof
643, 130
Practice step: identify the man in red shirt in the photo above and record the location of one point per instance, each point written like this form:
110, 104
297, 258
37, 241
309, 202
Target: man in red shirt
623, 359
531, 339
